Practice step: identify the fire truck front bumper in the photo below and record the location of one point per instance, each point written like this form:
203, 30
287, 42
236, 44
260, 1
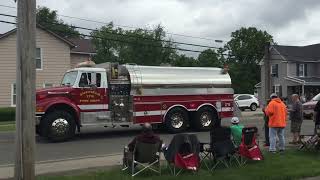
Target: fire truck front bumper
38, 117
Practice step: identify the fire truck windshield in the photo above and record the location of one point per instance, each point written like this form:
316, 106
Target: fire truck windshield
69, 78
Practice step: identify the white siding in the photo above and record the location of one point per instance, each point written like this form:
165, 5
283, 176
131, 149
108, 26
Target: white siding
78, 58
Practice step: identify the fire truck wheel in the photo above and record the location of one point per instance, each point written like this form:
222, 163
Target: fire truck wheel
176, 120
59, 125
205, 118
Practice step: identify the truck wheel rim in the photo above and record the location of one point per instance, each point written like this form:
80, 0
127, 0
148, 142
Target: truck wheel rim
60, 126
177, 121
205, 119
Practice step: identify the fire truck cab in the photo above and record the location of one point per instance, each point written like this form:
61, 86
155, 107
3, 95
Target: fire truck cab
112, 95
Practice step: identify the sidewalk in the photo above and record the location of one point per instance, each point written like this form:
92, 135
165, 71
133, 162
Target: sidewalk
66, 165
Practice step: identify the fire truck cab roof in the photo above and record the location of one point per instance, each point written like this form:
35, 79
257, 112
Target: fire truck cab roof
91, 69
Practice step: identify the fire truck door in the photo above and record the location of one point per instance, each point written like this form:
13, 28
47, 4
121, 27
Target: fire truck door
92, 97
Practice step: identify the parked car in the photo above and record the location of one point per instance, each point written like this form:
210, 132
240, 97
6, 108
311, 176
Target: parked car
246, 101
308, 107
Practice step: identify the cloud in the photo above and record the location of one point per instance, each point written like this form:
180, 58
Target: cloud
291, 22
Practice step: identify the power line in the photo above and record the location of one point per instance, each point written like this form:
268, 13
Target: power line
131, 27
122, 41
132, 36
7, 22
8, 15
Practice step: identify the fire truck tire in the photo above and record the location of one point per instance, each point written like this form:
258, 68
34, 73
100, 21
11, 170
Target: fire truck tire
59, 126
205, 118
176, 120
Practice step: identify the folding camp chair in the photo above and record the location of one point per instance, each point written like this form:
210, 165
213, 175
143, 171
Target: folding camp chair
220, 149
223, 153
311, 142
205, 154
249, 149
146, 155
183, 153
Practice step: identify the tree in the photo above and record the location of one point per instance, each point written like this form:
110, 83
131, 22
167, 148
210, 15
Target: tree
49, 19
209, 58
183, 61
245, 50
138, 46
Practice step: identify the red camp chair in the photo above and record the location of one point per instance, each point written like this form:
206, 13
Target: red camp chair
183, 154
249, 149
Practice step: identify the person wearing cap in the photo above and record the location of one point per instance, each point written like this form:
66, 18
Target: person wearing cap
236, 131
277, 113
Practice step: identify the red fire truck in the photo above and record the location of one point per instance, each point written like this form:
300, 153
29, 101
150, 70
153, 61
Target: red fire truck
112, 95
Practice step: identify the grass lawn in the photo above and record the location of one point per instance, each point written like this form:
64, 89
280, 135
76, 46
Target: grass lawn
291, 165
7, 126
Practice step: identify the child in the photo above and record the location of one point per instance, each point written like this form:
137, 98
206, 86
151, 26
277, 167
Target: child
236, 131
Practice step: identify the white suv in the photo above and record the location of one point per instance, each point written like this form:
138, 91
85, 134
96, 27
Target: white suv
246, 101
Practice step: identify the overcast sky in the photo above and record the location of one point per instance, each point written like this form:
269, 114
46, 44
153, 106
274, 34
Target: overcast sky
291, 22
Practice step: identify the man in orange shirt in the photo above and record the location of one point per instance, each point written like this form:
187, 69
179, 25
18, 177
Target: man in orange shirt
277, 113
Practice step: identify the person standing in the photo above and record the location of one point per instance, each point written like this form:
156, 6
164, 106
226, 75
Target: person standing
266, 126
296, 118
277, 113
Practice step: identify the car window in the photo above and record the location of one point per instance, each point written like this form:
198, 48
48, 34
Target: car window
244, 97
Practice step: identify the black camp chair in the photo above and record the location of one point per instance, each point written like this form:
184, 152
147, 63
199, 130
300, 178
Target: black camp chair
221, 149
146, 155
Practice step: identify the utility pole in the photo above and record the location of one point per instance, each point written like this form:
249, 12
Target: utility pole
267, 77
25, 84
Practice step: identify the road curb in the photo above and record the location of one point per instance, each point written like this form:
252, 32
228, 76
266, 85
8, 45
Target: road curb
66, 165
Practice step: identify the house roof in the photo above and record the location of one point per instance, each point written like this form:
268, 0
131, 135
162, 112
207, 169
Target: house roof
299, 53
82, 46
307, 81
43, 28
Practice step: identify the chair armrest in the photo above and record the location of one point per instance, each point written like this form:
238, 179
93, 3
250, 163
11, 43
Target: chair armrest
202, 146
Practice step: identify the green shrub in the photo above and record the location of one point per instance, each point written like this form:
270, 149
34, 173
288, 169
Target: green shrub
7, 114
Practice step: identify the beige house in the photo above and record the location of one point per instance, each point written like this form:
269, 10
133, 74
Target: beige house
54, 56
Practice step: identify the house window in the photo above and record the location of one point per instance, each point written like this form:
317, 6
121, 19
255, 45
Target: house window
301, 70
38, 59
47, 85
277, 89
13, 94
274, 70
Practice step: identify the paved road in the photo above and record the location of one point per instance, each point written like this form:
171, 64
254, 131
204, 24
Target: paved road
101, 141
